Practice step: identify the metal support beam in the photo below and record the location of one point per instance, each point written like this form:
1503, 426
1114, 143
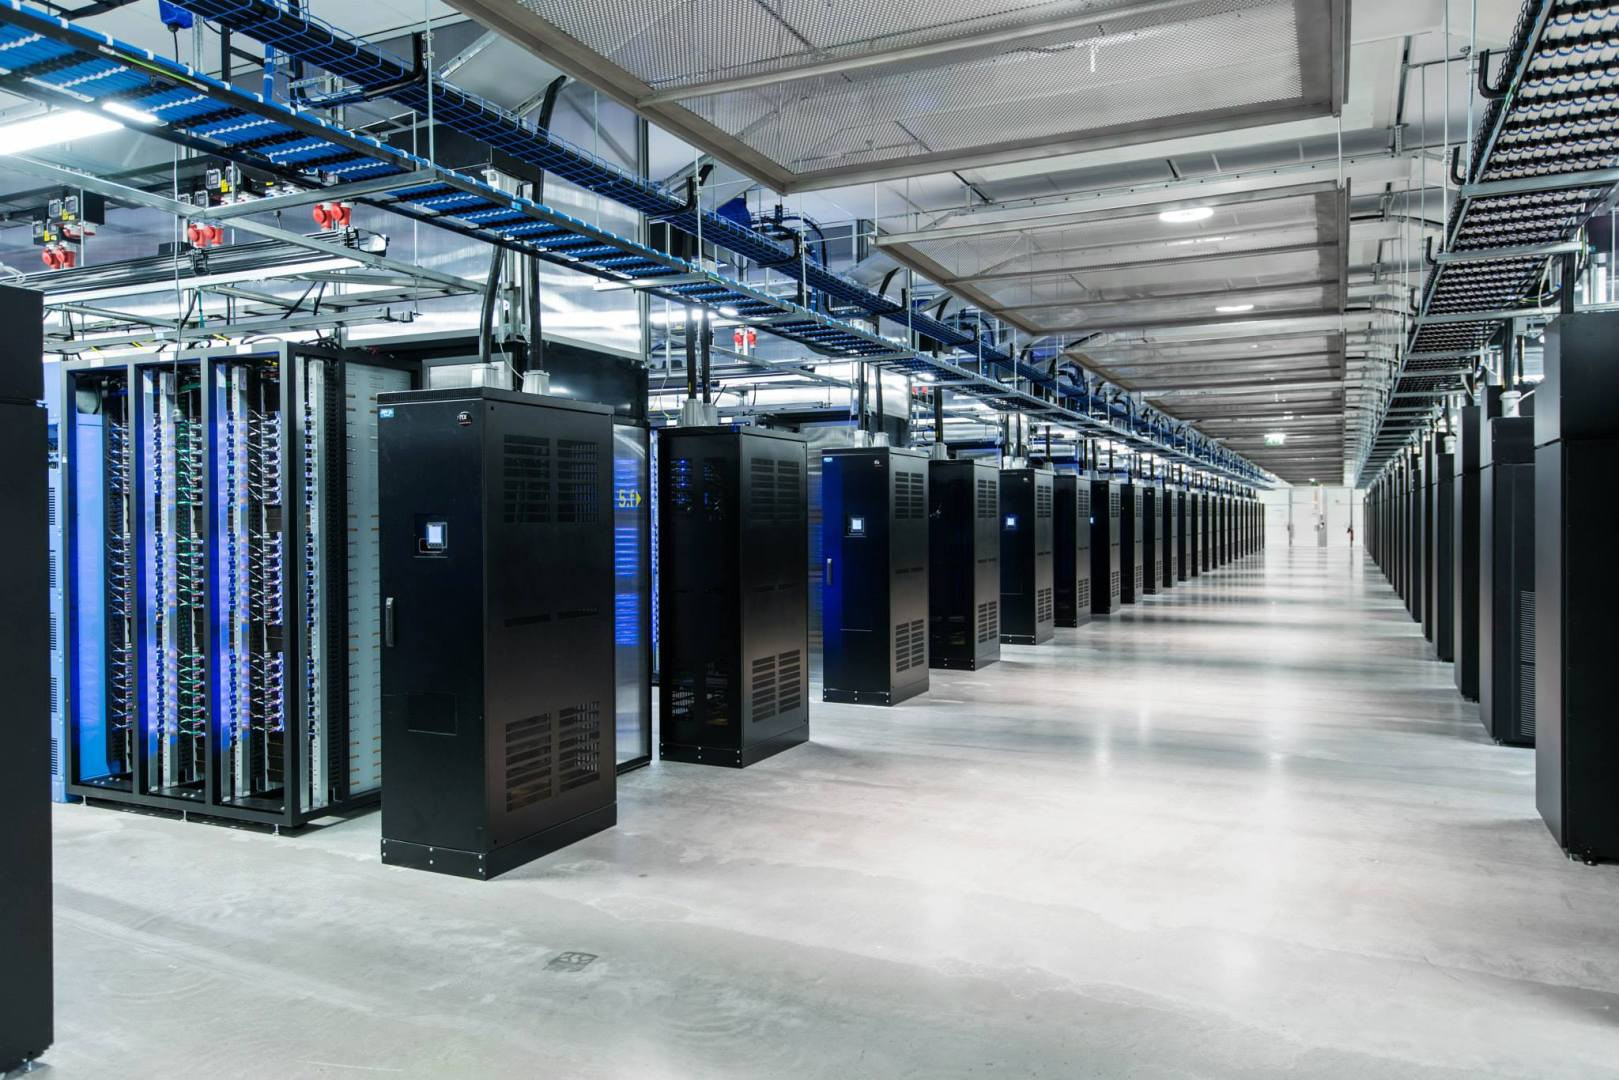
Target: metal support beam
1522, 251
1531, 185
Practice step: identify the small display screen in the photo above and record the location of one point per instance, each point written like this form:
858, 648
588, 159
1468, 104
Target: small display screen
432, 536
1011, 522
857, 525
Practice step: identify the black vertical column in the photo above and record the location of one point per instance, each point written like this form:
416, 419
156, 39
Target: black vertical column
1576, 437
25, 766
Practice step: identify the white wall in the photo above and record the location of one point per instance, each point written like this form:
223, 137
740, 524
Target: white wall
1331, 507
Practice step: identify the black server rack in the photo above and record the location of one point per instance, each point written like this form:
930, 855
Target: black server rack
1506, 600
874, 586
1152, 544
964, 564
1205, 542
1430, 527
1184, 550
1465, 566
1107, 556
733, 603
1222, 528
1131, 536
1028, 593
1194, 533
1168, 513
221, 522
1441, 607
26, 1015
1414, 543
498, 669
1576, 591
1071, 537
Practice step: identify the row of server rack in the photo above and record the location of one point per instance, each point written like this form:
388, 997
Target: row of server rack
1495, 536
287, 573
935, 563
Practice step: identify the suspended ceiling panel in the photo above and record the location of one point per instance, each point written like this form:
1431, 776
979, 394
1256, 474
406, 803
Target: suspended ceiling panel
804, 94
1238, 307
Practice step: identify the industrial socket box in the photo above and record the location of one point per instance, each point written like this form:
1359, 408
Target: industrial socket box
733, 594
498, 677
1028, 600
964, 563
874, 582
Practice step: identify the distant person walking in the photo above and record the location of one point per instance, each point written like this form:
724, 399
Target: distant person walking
1351, 531
1289, 534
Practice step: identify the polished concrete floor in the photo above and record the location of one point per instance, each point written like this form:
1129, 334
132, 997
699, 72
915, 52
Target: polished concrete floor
1245, 829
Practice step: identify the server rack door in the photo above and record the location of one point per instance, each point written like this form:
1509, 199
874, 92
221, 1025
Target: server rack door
1151, 546
434, 554
1166, 533
774, 662
986, 581
1082, 553
908, 560
1464, 566
1441, 602
1045, 612
857, 519
1017, 557
963, 564
1130, 543
1106, 559
1065, 547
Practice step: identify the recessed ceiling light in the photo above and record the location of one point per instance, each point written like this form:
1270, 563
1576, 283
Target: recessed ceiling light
1186, 215
1234, 309
52, 129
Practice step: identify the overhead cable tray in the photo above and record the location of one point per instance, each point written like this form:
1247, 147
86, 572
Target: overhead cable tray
54, 61
1543, 160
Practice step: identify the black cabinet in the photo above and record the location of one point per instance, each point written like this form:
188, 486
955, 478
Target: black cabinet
1071, 561
1107, 557
26, 1015
498, 674
1507, 581
964, 564
874, 584
733, 595
1028, 594
1576, 590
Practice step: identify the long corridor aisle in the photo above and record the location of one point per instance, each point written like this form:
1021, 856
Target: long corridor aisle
1259, 836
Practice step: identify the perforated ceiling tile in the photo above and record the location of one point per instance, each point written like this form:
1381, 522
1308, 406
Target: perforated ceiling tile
803, 93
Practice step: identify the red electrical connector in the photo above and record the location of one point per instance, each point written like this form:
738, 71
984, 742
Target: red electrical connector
332, 215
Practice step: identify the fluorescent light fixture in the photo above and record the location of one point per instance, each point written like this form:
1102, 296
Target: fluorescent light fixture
52, 129
728, 312
1187, 215
129, 112
1234, 309
1275, 438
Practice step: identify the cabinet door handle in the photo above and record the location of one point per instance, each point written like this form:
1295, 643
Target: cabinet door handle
826, 576
388, 622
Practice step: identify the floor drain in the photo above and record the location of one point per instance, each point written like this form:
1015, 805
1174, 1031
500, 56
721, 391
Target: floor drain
571, 961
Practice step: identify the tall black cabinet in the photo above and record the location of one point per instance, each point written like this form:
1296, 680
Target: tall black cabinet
26, 1016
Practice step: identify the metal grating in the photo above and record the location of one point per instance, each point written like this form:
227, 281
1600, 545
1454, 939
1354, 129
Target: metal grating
804, 94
